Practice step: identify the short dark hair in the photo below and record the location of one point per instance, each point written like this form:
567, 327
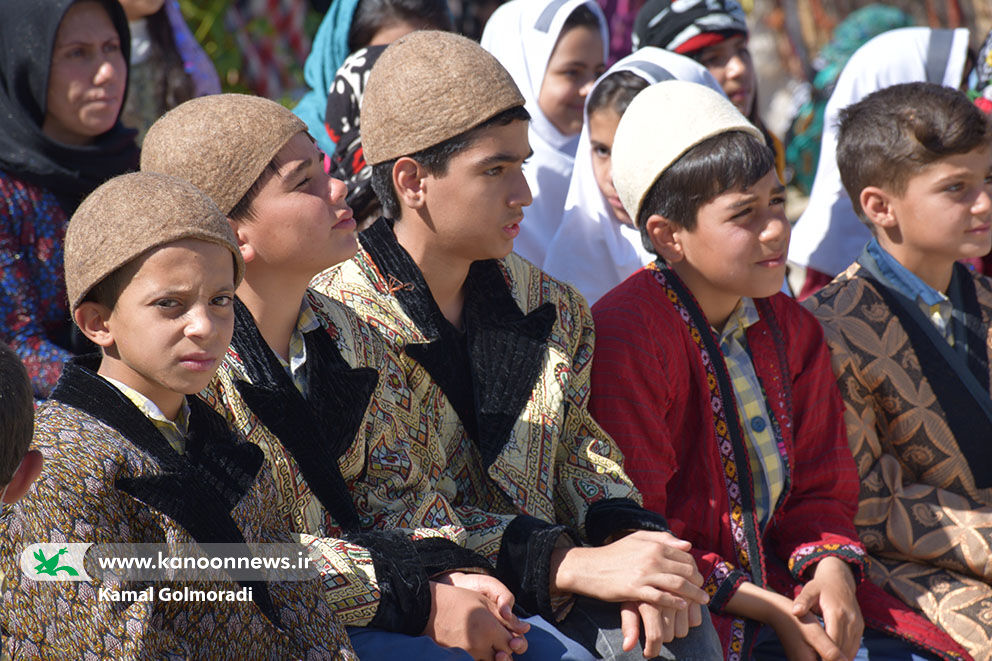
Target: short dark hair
894, 133
16, 413
242, 211
616, 91
373, 15
107, 291
581, 17
727, 161
435, 159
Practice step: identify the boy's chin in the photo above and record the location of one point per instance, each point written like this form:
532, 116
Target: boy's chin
768, 286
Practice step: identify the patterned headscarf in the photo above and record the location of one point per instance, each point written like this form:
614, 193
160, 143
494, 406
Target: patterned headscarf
685, 26
343, 120
981, 93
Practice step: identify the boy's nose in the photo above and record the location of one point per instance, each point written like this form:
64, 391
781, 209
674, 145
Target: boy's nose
200, 322
336, 190
983, 203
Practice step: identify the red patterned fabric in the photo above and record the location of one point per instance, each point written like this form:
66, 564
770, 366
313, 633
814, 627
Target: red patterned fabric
652, 390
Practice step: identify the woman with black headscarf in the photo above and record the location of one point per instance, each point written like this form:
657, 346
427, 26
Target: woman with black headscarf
63, 78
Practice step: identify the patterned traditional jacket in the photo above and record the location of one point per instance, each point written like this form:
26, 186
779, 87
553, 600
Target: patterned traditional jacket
508, 443
339, 455
920, 433
111, 477
660, 386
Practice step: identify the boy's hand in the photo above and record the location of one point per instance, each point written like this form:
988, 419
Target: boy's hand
802, 637
469, 620
832, 595
492, 588
650, 573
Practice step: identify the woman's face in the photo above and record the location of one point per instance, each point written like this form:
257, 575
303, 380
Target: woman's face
575, 63
730, 63
87, 77
602, 129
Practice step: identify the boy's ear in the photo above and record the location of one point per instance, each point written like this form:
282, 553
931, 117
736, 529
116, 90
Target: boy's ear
92, 317
242, 235
27, 472
665, 238
408, 180
877, 207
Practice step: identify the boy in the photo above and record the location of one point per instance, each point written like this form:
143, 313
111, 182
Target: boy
908, 331
720, 393
151, 266
19, 467
497, 355
297, 381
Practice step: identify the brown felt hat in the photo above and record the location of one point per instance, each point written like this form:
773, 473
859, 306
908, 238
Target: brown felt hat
131, 214
427, 87
219, 143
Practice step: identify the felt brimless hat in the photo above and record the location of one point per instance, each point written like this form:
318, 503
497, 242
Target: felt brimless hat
220, 143
131, 214
662, 123
427, 87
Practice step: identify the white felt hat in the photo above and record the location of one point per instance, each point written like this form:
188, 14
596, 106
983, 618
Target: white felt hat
661, 124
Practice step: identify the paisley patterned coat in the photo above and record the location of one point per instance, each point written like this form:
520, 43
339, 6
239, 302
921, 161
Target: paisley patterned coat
507, 443
921, 440
111, 477
339, 453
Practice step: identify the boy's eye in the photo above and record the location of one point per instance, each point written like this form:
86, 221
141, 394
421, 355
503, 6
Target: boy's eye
601, 151
954, 188
777, 200
224, 300
494, 172
166, 303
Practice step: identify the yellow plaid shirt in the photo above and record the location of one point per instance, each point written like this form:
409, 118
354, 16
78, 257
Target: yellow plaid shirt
767, 466
297, 347
173, 430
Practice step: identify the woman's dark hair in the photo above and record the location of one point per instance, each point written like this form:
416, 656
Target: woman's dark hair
435, 159
175, 86
726, 161
373, 15
581, 17
616, 91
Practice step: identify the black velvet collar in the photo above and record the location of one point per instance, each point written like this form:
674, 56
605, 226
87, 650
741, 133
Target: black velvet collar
318, 428
506, 348
199, 489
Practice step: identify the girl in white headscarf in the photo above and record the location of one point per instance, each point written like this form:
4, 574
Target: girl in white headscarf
554, 49
829, 236
597, 246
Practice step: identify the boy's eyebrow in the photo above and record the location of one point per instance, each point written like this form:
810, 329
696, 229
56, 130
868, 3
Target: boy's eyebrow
302, 166
749, 198
506, 157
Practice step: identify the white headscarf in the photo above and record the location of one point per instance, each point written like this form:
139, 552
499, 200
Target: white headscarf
522, 34
593, 250
829, 236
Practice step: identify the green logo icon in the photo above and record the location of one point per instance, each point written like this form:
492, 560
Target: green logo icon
51, 565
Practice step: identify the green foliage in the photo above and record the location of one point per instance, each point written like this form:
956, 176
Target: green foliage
206, 20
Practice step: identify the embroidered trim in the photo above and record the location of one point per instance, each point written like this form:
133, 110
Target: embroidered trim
806, 556
724, 415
